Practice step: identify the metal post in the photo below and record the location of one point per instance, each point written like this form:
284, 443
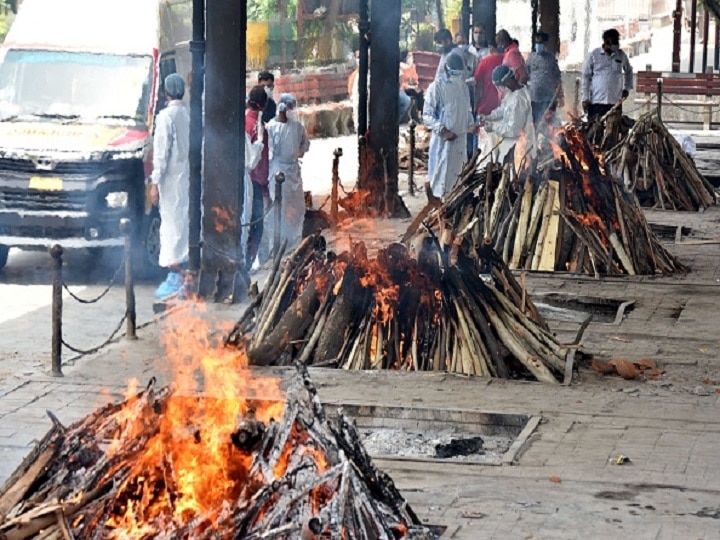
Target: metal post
130, 314
279, 181
716, 63
706, 32
411, 164
335, 183
659, 97
693, 24
197, 48
677, 31
576, 104
364, 28
57, 305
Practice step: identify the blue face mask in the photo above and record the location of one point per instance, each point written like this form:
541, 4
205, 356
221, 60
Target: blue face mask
500, 49
539, 47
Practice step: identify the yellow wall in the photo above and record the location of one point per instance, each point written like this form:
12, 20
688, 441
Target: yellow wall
257, 44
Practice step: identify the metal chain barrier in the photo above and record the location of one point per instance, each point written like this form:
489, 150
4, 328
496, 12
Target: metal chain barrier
674, 104
102, 294
104, 344
129, 317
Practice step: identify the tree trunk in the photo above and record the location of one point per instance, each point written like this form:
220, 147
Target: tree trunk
326, 40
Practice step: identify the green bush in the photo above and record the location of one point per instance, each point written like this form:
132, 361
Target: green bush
424, 38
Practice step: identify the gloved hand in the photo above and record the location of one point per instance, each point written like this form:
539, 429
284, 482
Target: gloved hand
586, 105
625, 94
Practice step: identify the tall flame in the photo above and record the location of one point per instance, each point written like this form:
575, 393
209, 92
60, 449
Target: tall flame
193, 437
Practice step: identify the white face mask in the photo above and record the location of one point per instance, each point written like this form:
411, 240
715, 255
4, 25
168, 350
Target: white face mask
292, 114
269, 91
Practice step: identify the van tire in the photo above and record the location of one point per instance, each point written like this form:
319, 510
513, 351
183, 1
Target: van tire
147, 246
4, 250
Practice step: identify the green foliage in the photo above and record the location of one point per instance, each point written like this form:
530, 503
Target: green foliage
5, 22
265, 10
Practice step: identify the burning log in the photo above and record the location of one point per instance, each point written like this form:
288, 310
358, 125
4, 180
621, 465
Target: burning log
410, 312
564, 214
650, 162
133, 471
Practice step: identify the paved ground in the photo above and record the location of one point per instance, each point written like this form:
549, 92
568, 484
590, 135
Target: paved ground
563, 484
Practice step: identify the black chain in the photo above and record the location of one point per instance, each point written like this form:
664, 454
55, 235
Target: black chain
262, 218
82, 352
102, 294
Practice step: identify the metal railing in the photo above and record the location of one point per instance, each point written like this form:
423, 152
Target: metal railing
129, 318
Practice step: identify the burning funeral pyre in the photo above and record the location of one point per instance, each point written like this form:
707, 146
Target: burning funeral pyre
430, 310
651, 162
565, 214
168, 465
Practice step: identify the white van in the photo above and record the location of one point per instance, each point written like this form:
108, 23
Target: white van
80, 84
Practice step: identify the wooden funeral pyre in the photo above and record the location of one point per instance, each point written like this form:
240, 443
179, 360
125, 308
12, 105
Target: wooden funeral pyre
429, 310
161, 465
562, 213
650, 162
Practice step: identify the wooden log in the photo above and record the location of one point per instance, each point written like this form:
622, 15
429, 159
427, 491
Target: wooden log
552, 238
546, 215
290, 328
520, 237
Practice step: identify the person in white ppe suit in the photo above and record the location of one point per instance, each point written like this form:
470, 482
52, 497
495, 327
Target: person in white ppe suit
288, 143
170, 184
511, 120
447, 113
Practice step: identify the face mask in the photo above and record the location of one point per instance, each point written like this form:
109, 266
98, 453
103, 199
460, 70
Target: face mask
539, 47
500, 49
269, 91
614, 48
292, 114
439, 47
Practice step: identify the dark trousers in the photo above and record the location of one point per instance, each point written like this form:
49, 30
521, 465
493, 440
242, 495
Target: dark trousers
256, 229
598, 110
539, 108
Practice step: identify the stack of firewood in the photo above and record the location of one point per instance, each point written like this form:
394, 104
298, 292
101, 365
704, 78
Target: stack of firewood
561, 214
650, 162
428, 310
119, 473
422, 147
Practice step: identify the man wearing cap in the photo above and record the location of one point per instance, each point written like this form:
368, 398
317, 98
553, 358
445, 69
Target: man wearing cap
512, 119
170, 184
447, 113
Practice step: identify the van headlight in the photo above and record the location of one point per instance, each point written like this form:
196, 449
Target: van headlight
117, 199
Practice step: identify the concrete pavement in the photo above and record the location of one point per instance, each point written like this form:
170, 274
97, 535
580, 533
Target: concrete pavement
563, 484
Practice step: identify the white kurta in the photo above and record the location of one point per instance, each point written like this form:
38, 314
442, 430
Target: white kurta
447, 105
288, 143
510, 120
171, 173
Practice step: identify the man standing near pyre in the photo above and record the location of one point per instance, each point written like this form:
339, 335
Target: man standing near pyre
607, 77
512, 121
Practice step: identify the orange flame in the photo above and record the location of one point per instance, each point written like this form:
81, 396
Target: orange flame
193, 437
223, 219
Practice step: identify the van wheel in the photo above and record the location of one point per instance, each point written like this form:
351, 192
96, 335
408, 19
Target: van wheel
4, 250
147, 246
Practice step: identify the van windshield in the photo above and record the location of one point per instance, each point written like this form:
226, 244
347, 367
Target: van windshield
78, 85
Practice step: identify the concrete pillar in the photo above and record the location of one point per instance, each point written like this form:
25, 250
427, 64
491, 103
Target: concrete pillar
222, 273
550, 22
484, 12
378, 156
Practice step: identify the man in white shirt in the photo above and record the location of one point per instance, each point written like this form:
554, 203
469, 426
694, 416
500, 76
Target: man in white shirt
607, 76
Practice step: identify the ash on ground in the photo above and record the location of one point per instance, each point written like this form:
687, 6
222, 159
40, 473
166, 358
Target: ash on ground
461, 447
